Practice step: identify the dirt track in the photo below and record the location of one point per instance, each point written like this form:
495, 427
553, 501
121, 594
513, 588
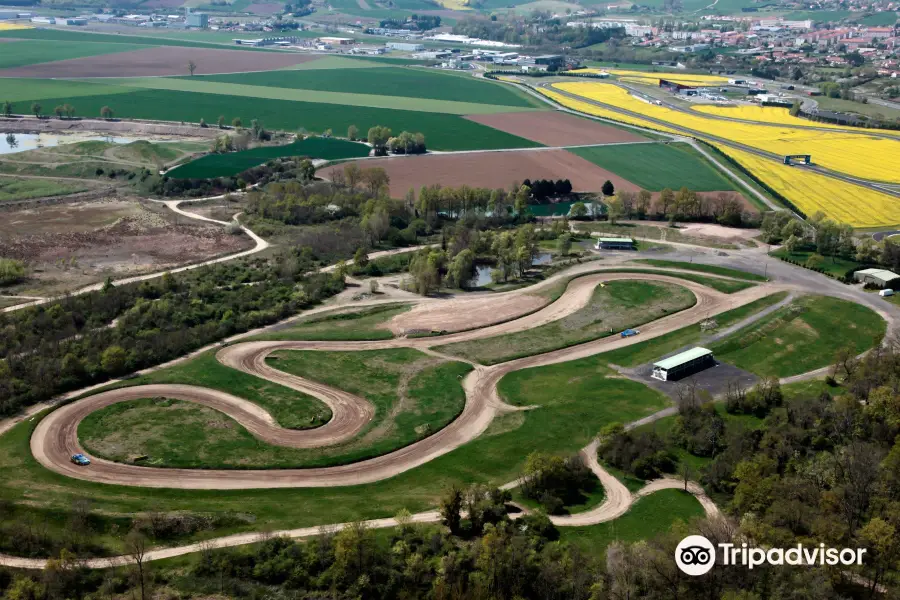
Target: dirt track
55, 438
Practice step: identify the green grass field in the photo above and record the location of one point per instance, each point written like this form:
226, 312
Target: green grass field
563, 425
342, 325
22, 189
646, 351
658, 166
442, 131
370, 100
712, 269
66, 35
412, 82
802, 336
232, 163
35, 52
612, 308
414, 397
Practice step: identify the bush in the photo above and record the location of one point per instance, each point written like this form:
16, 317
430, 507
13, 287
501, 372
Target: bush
11, 271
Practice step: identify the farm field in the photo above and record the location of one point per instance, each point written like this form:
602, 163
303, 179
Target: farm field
442, 131
199, 85
811, 192
598, 111
494, 170
613, 307
776, 115
554, 128
159, 61
657, 166
802, 336
232, 163
845, 153
413, 82
34, 52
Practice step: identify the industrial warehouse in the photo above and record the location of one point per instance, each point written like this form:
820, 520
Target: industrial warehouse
683, 364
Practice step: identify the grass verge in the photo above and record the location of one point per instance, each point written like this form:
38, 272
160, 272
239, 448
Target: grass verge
712, 269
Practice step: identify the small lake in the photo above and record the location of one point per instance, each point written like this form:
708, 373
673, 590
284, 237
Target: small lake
20, 142
483, 272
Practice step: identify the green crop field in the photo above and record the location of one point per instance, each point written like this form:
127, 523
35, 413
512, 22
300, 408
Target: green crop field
22, 91
442, 131
35, 52
414, 82
233, 90
232, 163
65, 35
658, 166
802, 336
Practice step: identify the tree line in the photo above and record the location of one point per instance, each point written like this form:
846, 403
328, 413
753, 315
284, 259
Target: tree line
86, 339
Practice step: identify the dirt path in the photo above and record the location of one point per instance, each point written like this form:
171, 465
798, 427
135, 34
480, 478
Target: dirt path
55, 438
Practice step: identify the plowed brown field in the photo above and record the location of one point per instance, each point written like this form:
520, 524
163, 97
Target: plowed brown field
494, 170
164, 60
553, 128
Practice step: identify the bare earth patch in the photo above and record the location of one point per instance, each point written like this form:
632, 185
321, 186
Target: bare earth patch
72, 245
494, 170
553, 128
464, 313
265, 8
162, 61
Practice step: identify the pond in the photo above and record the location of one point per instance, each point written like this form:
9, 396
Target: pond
20, 142
483, 272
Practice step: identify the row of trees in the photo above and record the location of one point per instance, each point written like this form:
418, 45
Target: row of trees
62, 110
383, 141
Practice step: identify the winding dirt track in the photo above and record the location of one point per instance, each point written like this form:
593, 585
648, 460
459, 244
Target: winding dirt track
55, 439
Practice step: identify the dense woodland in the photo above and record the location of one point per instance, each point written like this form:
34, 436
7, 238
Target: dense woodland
818, 468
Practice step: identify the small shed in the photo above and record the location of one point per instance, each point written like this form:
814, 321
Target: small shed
879, 277
615, 243
683, 364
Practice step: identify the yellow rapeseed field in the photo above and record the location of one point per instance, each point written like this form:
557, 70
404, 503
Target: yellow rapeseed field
811, 192
597, 111
859, 155
13, 26
653, 78
775, 115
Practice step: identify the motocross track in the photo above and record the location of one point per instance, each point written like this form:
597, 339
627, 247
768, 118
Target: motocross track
55, 438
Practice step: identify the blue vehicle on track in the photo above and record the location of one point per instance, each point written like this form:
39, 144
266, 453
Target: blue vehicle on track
630, 332
81, 460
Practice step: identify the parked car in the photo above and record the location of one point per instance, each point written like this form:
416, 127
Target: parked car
81, 460
630, 332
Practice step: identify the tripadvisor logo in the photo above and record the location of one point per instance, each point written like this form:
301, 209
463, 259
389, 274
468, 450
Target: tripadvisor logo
695, 555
